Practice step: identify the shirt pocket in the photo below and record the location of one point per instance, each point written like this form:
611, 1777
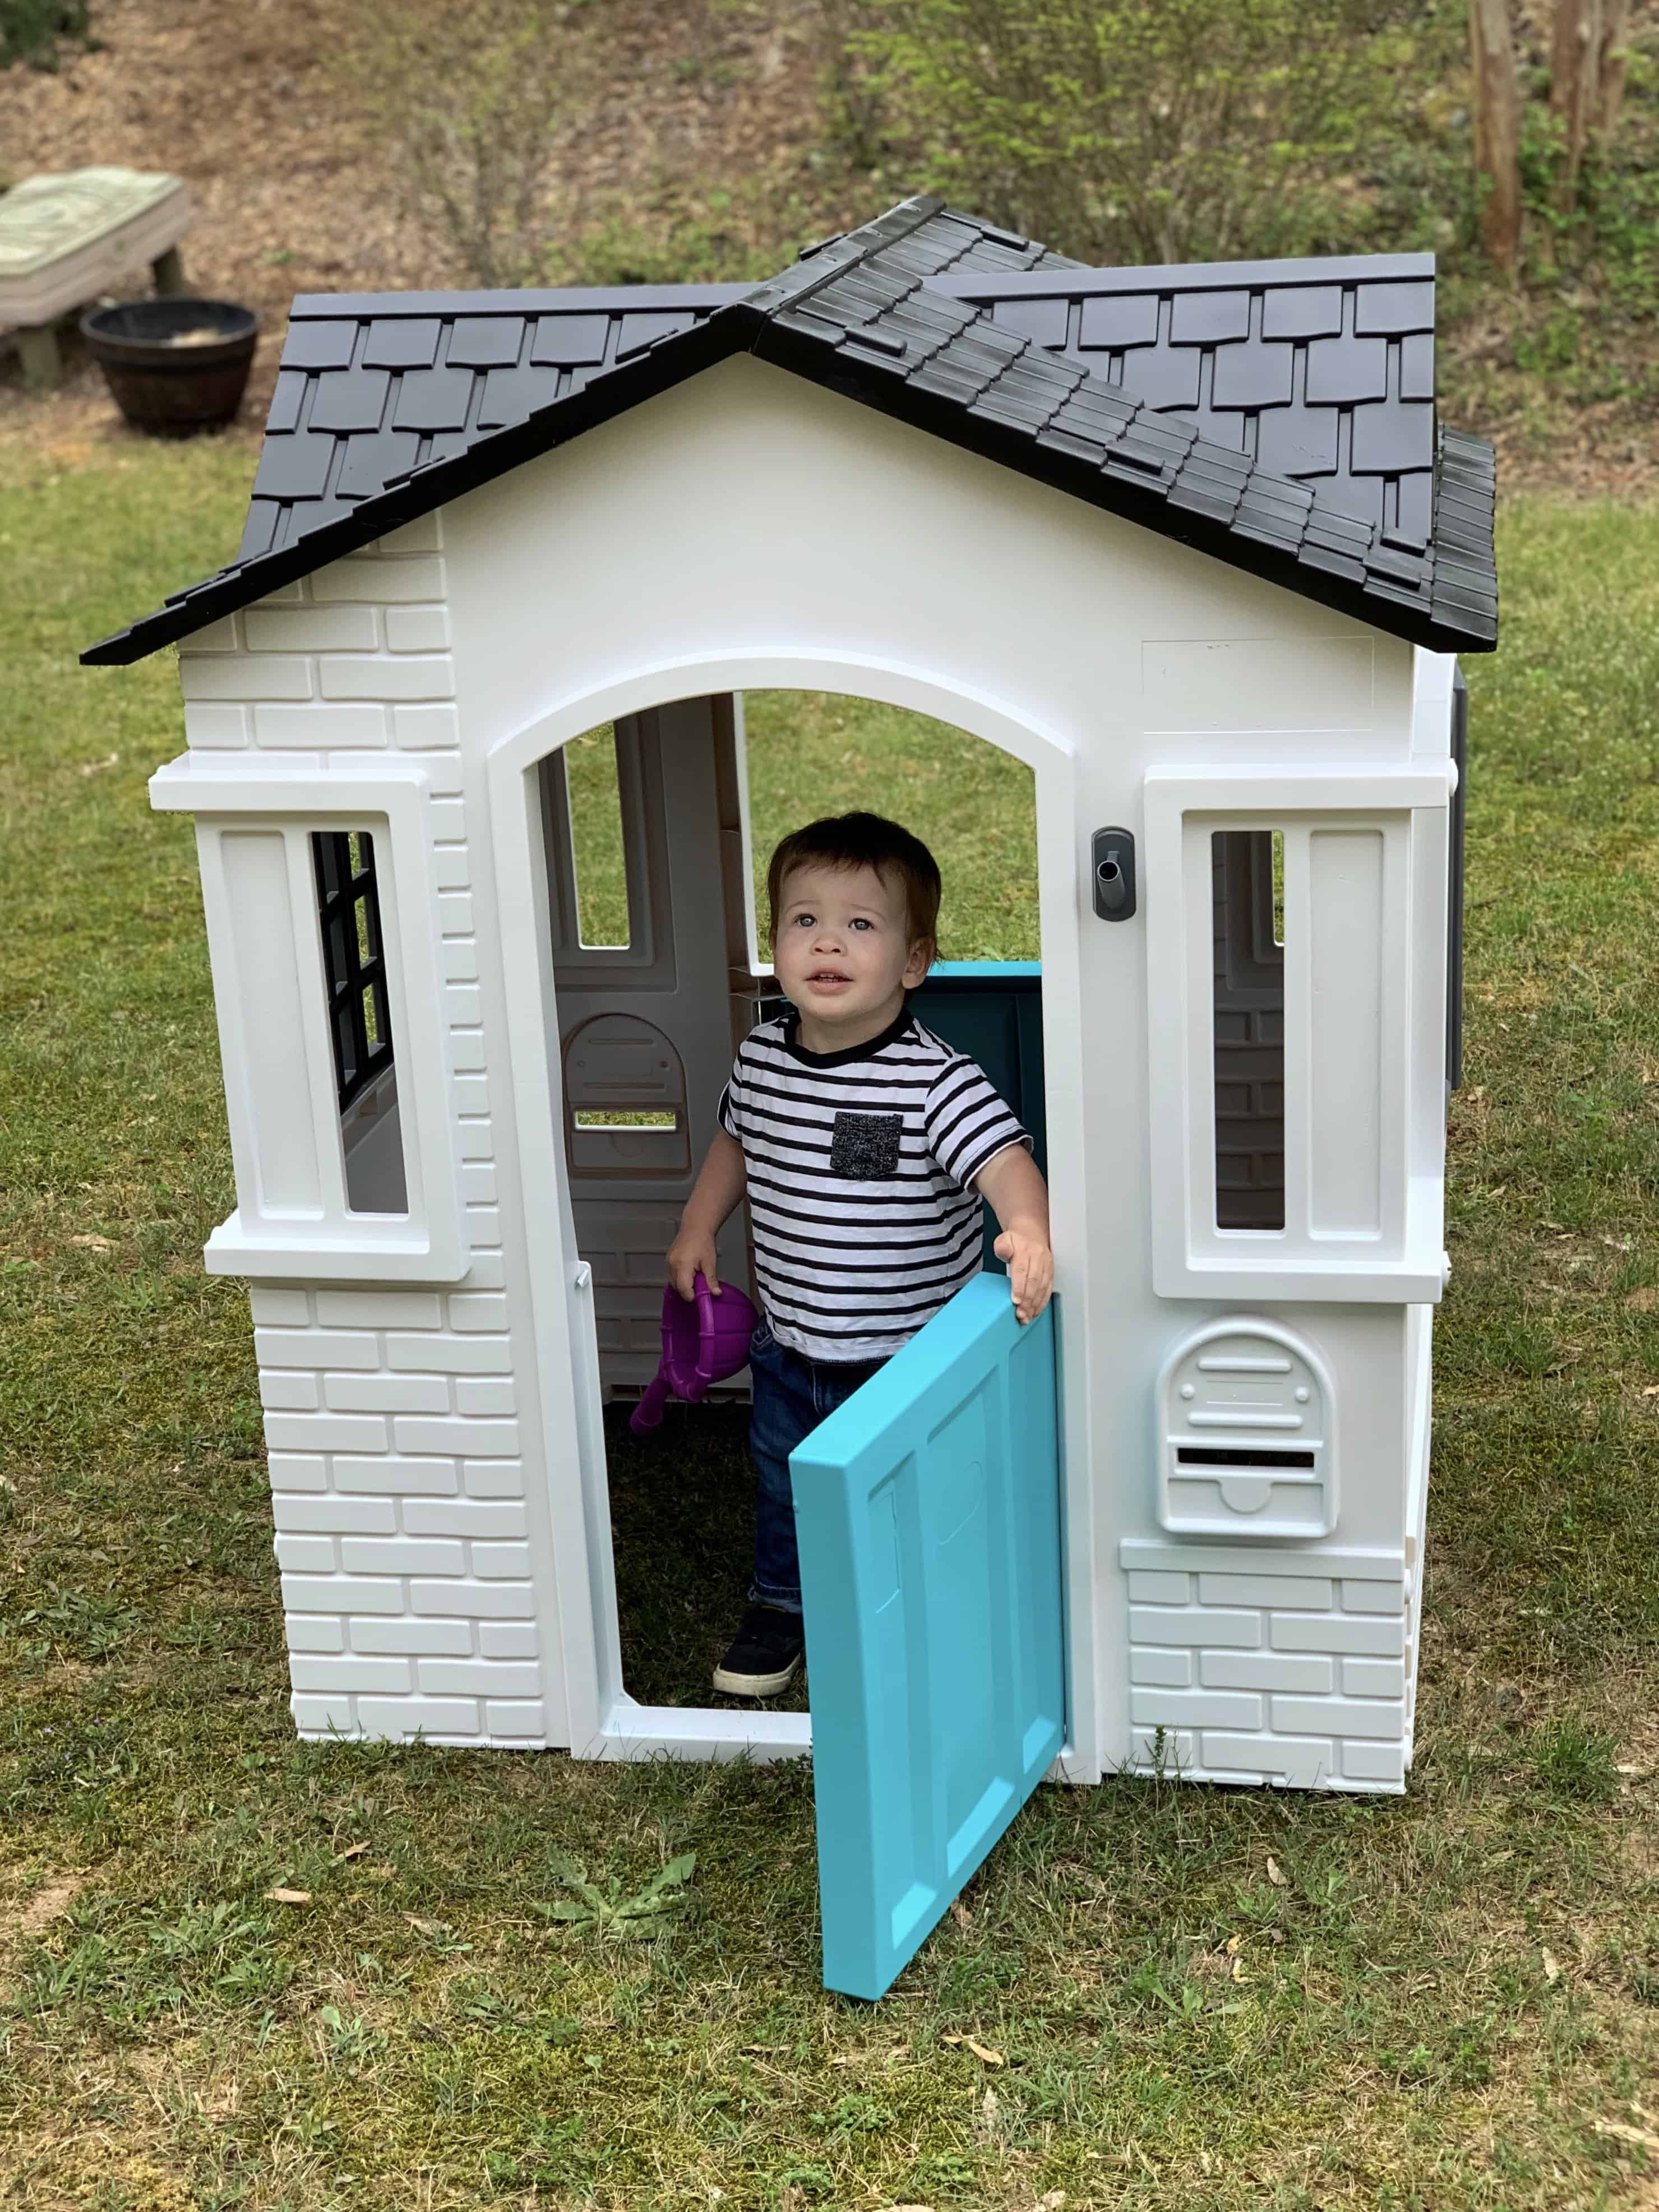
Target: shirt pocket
865, 1147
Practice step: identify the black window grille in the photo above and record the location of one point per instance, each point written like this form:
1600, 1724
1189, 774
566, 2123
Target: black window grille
354, 963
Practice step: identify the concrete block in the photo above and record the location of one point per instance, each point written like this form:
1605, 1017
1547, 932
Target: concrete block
1374, 1678
455, 914
449, 1355
514, 1718
1372, 1596
422, 676
474, 1601
285, 1390
462, 1517
297, 1470
314, 1631
398, 1477
352, 1432
1338, 1632
478, 1182
417, 629
487, 1272
496, 1563
1161, 1590
424, 535
1304, 1762
1197, 1625
459, 959
401, 1555
404, 1718
319, 727
361, 577
451, 871
509, 1639
322, 1717
425, 728
355, 1516
477, 1141
280, 1309
378, 1309
340, 1594
477, 1439
312, 629
483, 1226
448, 819
386, 1394
1374, 1762
493, 1478
1195, 1709
1264, 1670
463, 1005
1304, 1590
444, 773
481, 1677
1343, 1717
346, 1672
242, 675
1169, 1669
214, 637
485, 1395
466, 1049
314, 1348
434, 1639
307, 1555
211, 729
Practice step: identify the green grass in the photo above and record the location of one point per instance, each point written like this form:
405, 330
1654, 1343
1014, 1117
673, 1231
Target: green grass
1437, 1998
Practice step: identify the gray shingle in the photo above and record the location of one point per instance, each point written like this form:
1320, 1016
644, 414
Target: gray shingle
485, 342
398, 342
434, 399
567, 339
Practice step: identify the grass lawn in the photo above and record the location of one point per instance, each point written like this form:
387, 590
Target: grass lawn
1174, 1996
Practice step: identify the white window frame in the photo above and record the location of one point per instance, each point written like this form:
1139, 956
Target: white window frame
320, 1238
1402, 1260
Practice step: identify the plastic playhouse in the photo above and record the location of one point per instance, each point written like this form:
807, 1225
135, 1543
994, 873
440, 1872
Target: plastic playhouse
1192, 545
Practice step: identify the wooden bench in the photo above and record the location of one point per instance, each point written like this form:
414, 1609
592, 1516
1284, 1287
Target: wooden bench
64, 239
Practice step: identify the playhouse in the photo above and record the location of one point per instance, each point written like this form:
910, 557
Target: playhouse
1191, 544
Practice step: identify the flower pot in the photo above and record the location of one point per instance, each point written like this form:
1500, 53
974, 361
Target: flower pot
175, 366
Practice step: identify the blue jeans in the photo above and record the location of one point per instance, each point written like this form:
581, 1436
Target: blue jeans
793, 1394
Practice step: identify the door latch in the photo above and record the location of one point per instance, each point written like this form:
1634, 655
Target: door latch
1114, 858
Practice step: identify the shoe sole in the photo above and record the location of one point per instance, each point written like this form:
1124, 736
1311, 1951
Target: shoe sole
755, 1686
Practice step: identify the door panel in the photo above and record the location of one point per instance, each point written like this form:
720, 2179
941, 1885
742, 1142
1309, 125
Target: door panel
927, 1509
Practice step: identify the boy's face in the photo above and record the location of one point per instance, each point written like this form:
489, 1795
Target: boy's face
842, 950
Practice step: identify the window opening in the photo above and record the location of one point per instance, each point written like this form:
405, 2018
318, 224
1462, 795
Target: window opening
360, 1019
594, 795
1248, 907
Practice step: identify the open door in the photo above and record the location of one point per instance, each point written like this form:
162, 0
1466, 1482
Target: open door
927, 1509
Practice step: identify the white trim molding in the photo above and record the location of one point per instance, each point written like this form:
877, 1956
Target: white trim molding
253, 827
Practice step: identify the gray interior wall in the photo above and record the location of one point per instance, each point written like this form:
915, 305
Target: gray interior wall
1249, 1034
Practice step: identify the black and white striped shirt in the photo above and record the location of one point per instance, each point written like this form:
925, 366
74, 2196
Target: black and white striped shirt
860, 1165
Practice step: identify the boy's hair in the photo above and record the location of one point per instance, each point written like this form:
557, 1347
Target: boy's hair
864, 841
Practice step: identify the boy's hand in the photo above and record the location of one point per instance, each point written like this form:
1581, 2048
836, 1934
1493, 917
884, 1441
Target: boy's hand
1031, 1270
692, 1254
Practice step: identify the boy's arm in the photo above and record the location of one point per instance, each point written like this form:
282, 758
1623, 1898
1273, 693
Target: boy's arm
721, 1184
1019, 1199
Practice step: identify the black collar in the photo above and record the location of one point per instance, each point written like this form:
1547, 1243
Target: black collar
894, 1030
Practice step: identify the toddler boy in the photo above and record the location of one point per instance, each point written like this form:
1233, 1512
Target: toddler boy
864, 1144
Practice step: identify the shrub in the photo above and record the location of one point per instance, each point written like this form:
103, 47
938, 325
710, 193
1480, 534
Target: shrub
33, 31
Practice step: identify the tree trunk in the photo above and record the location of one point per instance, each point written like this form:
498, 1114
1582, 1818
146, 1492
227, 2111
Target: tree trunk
1611, 59
1575, 65
1496, 128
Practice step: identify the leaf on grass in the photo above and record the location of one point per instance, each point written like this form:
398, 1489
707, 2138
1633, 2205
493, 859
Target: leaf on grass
433, 1928
960, 1913
982, 2051
351, 1851
1276, 1874
1646, 1300
1552, 1966
94, 1243
280, 1896
91, 767
1644, 2138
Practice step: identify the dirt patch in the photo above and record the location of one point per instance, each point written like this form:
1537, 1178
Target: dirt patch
286, 195
22, 1923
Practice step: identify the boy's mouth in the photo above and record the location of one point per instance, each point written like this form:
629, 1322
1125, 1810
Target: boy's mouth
827, 978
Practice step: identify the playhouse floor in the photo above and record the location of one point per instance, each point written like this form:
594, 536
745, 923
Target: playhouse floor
682, 1529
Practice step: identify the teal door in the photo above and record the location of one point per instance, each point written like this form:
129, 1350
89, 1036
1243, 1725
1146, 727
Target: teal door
927, 1509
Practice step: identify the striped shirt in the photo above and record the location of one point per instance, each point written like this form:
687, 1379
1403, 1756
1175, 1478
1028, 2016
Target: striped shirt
859, 1166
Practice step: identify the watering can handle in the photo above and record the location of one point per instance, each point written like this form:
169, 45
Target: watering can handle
705, 1299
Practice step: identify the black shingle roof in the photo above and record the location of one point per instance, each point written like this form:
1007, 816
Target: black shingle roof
1276, 414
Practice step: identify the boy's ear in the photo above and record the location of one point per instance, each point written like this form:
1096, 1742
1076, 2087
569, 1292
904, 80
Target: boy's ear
923, 953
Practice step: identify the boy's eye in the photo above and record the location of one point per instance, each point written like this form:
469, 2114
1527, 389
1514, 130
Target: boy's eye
806, 922
860, 922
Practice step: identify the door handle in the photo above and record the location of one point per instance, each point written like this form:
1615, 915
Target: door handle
1113, 857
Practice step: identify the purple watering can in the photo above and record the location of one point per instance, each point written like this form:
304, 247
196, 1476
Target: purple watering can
702, 1342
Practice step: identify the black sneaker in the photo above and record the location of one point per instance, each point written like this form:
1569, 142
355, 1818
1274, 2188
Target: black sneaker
763, 1655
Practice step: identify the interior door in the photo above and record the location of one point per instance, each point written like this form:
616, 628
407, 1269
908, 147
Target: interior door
928, 1512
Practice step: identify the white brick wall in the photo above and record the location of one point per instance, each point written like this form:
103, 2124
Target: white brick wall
392, 1426
1251, 1665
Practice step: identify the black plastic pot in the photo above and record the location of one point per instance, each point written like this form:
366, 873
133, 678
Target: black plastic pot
168, 388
